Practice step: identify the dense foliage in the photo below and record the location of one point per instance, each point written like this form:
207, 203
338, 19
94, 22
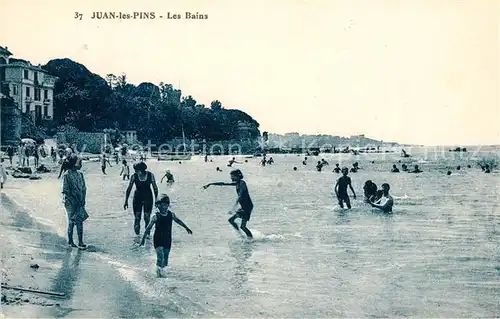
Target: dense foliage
158, 113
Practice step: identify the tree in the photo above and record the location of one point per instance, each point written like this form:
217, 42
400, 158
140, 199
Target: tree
112, 80
122, 80
188, 101
92, 104
216, 106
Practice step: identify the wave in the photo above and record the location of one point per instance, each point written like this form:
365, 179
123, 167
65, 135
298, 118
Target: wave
145, 282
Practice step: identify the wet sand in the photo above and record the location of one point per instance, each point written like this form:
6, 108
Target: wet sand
91, 289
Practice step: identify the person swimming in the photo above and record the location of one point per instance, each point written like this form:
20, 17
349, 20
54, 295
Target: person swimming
143, 197
416, 170
404, 168
341, 189
324, 162
458, 167
295, 168
218, 169
169, 176
394, 169
377, 196
244, 200
448, 173
232, 161
337, 168
369, 190
355, 167
386, 202
263, 162
319, 166
162, 238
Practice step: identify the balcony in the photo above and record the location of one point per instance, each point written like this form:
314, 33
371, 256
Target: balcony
46, 101
29, 99
47, 117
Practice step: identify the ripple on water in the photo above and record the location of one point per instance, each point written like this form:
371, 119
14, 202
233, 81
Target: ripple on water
436, 256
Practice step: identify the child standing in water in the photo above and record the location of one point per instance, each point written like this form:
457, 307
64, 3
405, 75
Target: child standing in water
341, 189
162, 239
244, 200
169, 176
125, 170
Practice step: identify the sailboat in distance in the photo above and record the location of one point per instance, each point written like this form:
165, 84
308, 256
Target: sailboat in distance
175, 156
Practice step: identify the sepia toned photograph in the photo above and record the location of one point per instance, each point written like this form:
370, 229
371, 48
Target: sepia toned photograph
250, 159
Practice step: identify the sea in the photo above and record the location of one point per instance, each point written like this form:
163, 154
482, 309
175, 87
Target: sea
437, 255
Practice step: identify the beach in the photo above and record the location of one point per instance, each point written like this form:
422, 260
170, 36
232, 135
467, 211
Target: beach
437, 255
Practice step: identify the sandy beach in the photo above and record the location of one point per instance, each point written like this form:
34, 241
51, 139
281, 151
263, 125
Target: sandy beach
91, 289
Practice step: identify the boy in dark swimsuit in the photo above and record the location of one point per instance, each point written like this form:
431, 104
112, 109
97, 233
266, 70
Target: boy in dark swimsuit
341, 189
104, 160
162, 238
169, 176
244, 200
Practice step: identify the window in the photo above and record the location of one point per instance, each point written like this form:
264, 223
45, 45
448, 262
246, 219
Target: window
37, 94
26, 74
27, 108
45, 94
45, 111
27, 91
14, 89
36, 76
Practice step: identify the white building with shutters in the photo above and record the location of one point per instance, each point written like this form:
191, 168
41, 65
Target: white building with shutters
31, 87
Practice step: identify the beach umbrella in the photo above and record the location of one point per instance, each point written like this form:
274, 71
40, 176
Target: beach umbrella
28, 141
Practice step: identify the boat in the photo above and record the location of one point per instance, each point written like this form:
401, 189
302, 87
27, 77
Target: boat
170, 156
174, 156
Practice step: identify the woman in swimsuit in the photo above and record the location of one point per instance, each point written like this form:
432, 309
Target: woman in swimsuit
143, 197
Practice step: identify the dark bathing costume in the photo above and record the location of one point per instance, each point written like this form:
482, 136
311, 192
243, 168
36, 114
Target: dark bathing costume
344, 182
163, 231
143, 198
245, 202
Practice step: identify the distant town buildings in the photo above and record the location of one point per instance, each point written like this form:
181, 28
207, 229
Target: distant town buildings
31, 87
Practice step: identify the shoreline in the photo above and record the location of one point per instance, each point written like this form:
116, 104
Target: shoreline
91, 288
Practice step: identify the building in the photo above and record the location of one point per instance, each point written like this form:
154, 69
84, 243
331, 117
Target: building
357, 137
31, 87
130, 136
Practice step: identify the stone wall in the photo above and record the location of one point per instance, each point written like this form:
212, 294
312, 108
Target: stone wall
10, 122
85, 141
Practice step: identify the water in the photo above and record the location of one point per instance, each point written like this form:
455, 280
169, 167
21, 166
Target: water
437, 255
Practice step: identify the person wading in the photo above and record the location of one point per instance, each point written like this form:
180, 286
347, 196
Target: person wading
143, 197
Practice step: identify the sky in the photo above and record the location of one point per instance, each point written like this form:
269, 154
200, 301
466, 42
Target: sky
420, 72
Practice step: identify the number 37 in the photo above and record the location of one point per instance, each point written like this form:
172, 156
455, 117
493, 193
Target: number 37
78, 15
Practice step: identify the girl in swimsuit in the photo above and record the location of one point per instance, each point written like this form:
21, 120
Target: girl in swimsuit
143, 198
244, 200
162, 239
